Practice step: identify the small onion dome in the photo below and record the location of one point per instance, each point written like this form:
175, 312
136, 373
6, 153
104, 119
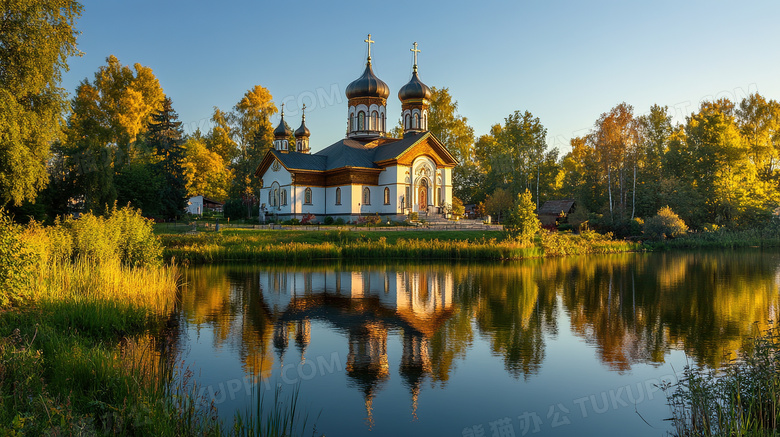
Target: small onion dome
302, 131
368, 85
282, 130
415, 89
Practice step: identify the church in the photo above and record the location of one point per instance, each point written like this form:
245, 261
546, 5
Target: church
367, 173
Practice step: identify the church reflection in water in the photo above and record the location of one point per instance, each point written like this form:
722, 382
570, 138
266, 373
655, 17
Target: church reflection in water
366, 305
630, 309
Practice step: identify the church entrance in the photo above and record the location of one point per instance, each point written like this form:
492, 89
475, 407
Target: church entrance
423, 196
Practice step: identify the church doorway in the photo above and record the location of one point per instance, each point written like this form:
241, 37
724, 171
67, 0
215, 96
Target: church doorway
423, 196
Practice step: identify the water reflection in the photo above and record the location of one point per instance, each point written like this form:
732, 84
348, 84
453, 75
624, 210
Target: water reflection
631, 308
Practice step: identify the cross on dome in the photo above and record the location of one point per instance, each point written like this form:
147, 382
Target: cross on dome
369, 41
416, 51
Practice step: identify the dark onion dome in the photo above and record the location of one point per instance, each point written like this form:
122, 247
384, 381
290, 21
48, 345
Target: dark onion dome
368, 85
415, 89
302, 131
282, 130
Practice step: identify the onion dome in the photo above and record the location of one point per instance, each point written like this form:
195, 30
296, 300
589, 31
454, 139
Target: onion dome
302, 131
282, 131
415, 89
368, 85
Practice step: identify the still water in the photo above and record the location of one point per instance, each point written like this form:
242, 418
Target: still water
561, 347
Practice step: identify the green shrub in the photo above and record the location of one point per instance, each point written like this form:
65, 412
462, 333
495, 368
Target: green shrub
339, 221
413, 216
17, 263
328, 220
523, 223
665, 224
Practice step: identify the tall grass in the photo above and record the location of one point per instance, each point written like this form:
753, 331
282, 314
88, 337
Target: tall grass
83, 343
743, 399
339, 245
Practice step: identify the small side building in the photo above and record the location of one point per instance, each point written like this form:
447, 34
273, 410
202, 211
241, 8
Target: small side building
552, 209
197, 205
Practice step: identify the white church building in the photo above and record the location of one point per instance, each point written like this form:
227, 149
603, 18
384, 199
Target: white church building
367, 172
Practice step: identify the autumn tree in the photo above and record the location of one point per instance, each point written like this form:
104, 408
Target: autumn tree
36, 39
206, 171
106, 132
452, 129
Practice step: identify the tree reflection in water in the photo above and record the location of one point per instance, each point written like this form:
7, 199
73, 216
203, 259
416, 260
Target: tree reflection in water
633, 308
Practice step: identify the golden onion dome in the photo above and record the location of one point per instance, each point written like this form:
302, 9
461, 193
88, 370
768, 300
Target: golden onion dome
414, 89
368, 85
282, 130
302, 131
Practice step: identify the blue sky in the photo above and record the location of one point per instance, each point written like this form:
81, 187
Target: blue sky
566, 61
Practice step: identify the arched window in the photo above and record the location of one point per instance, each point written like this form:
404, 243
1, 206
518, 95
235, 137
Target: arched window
425, 120
361, 120
375, 120
387, 196
338, 196
416, 121
276, 197
352, 124
307, 196
271, 198
407, 122
366, 196
284, 197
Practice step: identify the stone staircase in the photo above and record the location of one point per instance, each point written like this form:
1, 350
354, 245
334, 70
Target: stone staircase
437, 221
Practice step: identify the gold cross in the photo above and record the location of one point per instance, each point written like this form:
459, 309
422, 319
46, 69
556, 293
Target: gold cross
416, 51
303, 115
282, 110
369, 42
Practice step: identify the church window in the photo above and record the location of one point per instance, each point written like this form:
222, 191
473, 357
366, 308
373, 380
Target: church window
361, 120
387, 196
271, 198
407, 122
352, 122
425, 121
375, 120
408, 197
338, 196
307, 196
284, 197
416, 121
366, 196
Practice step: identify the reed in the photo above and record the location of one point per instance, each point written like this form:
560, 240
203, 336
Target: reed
743, 399
346, 245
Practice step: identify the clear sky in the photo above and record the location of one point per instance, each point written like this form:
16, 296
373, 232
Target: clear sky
564, 61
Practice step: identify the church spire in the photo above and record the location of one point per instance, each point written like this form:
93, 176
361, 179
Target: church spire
367, 104
302, 134
282, 134
415, 99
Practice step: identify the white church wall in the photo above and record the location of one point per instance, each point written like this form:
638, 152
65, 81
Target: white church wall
345, 208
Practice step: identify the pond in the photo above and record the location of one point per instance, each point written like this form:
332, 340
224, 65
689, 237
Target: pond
565, 347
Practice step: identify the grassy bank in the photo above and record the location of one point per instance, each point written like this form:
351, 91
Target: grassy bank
276, 245
85, 306
87, 336
765, 237
743, 399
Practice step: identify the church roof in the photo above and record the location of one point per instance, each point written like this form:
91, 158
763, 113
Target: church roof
349, 153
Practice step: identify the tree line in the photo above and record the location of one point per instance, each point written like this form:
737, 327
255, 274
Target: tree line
118, 140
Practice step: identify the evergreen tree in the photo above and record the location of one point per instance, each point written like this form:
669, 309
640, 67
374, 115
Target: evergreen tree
165, 137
